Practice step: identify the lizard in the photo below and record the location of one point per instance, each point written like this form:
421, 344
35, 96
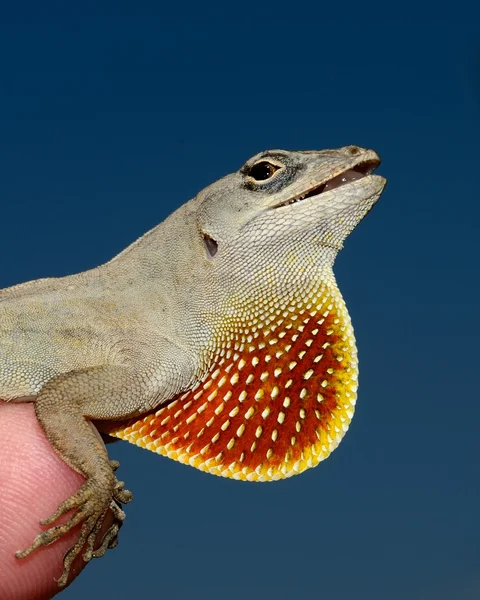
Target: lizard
219, 338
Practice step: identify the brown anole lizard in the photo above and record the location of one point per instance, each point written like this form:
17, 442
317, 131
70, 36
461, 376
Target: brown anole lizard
219, 338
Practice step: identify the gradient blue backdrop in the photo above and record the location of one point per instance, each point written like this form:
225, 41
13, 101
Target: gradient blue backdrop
111, 118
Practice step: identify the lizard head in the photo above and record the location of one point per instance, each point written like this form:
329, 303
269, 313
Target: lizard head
302, 202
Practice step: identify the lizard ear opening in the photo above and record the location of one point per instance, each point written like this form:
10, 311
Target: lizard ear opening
211, 246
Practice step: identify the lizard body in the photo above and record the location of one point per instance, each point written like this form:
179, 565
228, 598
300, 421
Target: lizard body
219, 338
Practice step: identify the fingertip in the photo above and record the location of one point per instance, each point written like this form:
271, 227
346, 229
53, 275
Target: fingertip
34, 482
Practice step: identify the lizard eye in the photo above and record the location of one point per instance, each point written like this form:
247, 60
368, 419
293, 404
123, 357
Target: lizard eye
211, 246
262, 170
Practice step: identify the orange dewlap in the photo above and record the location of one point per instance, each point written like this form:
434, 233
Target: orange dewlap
267, 409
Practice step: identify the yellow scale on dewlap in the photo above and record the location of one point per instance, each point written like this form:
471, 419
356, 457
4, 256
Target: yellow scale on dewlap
276, 400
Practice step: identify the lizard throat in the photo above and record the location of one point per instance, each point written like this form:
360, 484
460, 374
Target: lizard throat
275, 401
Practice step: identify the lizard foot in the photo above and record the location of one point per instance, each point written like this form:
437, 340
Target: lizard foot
90, 508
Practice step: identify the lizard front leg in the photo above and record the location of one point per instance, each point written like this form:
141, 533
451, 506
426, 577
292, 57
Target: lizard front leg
64, 408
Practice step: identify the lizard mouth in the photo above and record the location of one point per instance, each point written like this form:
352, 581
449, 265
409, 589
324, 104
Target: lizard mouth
344, 178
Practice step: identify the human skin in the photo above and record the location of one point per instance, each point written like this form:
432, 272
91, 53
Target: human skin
33, 481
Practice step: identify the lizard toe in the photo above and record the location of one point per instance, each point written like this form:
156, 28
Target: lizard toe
121, 495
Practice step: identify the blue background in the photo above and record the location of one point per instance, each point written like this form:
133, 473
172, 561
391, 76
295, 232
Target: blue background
110, 118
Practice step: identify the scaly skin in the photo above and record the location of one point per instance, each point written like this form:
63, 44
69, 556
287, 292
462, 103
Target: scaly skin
219, 338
